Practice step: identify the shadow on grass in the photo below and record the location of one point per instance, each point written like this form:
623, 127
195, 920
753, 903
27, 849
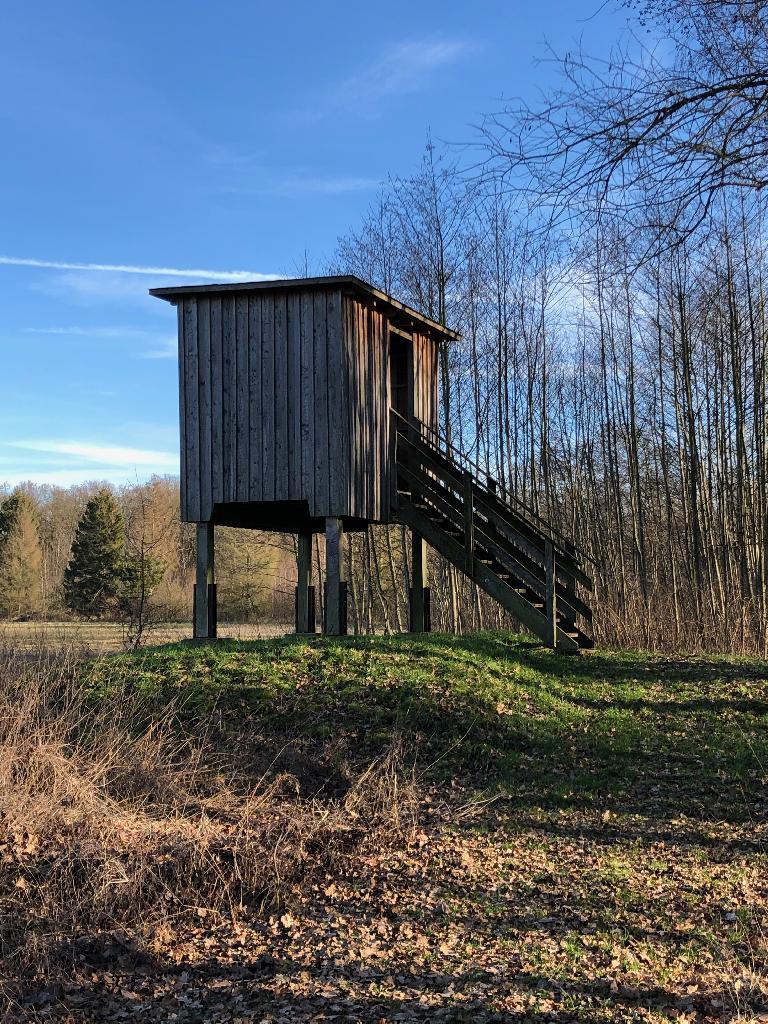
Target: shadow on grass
628, 733
550, 734
279, 986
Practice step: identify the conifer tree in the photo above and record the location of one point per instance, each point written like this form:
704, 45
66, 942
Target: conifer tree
20, 557
91, 579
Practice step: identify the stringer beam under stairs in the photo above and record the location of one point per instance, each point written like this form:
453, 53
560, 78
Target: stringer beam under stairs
515, 557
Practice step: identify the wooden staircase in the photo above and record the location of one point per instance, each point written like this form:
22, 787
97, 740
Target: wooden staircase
514, 556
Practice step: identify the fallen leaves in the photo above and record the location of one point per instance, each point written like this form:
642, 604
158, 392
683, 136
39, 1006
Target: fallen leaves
583, 857
501, 919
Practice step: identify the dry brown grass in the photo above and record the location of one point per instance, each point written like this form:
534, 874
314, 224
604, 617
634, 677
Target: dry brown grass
112, 818
104, 637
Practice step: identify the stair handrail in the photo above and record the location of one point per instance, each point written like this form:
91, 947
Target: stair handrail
511, 500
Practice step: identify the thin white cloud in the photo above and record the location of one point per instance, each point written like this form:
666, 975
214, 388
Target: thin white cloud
107, 455
402, 68
295, 186
68, 477
101, 289
120, 268
93, 332
168, 349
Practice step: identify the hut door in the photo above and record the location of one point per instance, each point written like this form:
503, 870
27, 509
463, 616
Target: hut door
401, 375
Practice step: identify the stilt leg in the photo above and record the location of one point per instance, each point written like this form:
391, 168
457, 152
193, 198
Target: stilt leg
305, 618
336, 584
205, 587
419, 589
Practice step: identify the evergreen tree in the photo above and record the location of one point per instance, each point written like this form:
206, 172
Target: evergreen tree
91, 580
20, 557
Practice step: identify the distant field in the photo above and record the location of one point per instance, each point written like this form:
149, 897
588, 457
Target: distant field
102, 637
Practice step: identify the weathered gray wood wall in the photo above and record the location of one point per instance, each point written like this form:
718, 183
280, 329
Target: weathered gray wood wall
285, 396
262, 394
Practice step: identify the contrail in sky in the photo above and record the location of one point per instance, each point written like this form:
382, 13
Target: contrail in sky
120, 268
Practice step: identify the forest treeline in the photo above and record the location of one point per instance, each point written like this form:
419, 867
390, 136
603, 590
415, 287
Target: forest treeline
627, 406
93, 551
604, 257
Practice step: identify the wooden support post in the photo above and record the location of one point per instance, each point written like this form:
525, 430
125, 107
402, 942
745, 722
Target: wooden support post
336, 584
204, 627
469, 525
419, 585
551, 594
305, 618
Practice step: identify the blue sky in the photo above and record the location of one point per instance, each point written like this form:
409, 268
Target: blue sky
173, 142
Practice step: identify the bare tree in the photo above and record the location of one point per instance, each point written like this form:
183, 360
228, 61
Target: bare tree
642, 137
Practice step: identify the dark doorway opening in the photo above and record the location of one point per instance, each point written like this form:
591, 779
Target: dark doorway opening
401, 375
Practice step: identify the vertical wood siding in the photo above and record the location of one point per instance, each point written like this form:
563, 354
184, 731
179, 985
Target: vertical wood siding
263, 404
367, 383
285, 396
425, 368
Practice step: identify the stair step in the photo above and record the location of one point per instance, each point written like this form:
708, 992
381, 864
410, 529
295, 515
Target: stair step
445, 518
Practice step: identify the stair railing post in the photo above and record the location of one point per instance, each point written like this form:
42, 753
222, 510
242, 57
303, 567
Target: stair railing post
469, 524
569, 585
551, 594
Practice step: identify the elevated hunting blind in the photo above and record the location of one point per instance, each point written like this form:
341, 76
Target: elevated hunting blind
311, 405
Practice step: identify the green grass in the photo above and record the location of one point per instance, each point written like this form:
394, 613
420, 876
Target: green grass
622, 732
590, 834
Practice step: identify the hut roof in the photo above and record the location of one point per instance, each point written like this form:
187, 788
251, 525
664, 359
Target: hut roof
399, 315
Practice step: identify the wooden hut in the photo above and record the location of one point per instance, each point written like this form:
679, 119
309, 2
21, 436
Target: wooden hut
294, 398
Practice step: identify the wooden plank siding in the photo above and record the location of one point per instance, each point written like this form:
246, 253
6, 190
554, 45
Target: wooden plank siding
281, 397
204, 389
338, 437
285, 396
322, 445
367, 377
268, 398
243, 376
264, 402
189, 427
218, 459
229, 398
293, 313
425, 361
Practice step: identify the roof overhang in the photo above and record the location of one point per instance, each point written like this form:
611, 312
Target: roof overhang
398, 313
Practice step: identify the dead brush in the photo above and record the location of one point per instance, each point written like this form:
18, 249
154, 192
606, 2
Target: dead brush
384, 798
745, 994
112, 817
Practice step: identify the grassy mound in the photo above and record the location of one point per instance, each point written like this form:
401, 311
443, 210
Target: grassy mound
384, 828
